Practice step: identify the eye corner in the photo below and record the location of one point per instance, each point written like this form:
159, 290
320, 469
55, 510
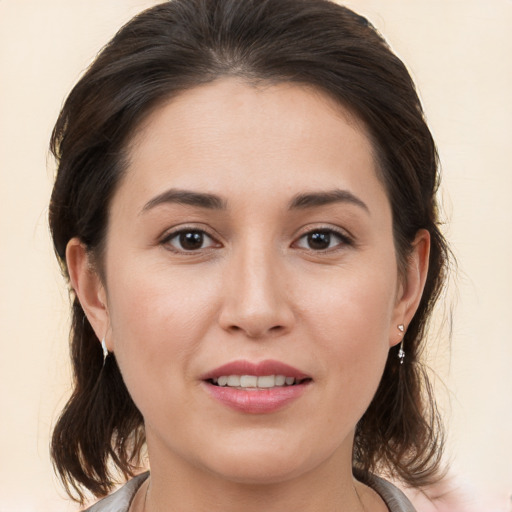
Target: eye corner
323, 240
189, 241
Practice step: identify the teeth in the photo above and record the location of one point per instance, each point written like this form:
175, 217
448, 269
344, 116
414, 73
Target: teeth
252, 381
267, 381
248, 381
234, 381
280, 380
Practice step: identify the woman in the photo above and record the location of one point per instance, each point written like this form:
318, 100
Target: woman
245, 209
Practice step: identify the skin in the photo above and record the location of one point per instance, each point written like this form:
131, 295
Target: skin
256, 289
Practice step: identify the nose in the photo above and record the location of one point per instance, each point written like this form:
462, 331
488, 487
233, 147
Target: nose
256, 301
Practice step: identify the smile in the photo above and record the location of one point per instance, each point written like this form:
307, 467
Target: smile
254, 382
256, 388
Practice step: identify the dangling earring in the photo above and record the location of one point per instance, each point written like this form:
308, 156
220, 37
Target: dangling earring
105, 349
401, 352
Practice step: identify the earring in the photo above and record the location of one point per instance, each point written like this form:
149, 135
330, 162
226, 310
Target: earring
105, 349
401, 352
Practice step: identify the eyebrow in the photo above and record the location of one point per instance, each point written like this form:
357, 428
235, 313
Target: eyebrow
214, 202
198, 199
314, 199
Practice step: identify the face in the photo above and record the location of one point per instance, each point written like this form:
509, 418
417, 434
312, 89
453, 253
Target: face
251, 237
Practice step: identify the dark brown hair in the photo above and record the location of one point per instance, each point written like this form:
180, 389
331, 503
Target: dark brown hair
178, 45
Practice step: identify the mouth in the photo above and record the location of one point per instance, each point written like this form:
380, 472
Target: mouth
255, 382
256, 388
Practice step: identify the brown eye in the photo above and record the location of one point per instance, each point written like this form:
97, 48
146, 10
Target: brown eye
322, 240
319, 241
190, 240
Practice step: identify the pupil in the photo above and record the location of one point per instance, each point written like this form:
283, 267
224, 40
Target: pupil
319, 240
191, 240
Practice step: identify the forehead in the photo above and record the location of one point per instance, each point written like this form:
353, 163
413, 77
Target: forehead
229, 133
259, 103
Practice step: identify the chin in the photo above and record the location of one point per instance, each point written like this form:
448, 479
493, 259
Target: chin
259, 472
271, 465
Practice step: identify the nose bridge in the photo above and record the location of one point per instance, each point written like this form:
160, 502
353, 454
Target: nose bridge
256, 301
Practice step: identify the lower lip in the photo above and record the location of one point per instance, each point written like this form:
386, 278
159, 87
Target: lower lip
256, 401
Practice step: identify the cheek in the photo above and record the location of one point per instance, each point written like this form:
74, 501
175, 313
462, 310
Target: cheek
356, 307
154, 298
350, 323
158, 320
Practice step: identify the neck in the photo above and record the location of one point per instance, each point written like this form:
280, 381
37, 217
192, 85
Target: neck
330, 487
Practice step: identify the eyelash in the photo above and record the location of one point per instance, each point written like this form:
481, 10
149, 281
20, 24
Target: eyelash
167, 241
343, 240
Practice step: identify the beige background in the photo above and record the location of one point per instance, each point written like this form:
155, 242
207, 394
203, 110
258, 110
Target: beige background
459, 52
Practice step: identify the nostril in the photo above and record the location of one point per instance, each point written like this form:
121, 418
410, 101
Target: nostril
256, 319
256, 331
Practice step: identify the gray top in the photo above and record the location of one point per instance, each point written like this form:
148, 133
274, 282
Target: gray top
120, 501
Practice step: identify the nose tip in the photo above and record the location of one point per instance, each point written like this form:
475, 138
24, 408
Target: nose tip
269, 316
256, 303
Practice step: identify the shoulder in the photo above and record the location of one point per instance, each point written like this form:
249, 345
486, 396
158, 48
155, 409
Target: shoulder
393, 497
120, 500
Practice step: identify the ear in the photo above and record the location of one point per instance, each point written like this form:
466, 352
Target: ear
88, 287
411, 286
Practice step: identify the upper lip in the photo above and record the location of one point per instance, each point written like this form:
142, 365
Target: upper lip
242, 367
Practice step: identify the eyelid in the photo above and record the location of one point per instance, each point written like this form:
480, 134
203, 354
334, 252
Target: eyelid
174, 232
346, 238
